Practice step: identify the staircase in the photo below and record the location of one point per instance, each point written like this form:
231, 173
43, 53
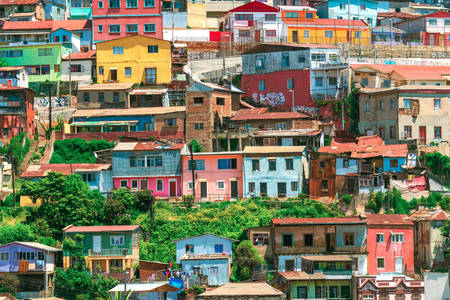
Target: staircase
24, 165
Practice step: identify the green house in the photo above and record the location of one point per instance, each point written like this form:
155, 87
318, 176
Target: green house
106, 249
42, 61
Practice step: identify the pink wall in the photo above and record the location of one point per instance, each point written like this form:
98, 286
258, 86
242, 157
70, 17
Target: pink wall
152, 184
390, 250
211, 175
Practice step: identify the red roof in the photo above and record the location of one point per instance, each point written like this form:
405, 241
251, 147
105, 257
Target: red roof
327, 22
108, 228
146, 146
306, 221
373, 219
50, 25
417, 72
18, 2
66, 169
253, 115
254, 6
8, 69
81, 55
369, 140
400, 15
382, 68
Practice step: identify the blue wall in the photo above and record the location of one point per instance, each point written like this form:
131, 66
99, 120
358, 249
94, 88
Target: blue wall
203, 244
85, 37
352, 166
331, 10
207, 266
102, 181
55, 11
360, 232
12, 265
387, 164
140, 125
61, 33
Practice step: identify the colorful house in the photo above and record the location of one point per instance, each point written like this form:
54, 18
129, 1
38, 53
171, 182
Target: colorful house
273, 171
80, 9
387, 35
365, 10
20, 10
134, 59
106, 249
80, 67
217, 175
118, 19
390, 287
14, 76
16, 111
68, 38
148, 166
390, 243
207, 255
34, 266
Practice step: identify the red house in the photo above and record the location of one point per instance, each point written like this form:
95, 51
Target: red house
119, 18
16, 111
390, 243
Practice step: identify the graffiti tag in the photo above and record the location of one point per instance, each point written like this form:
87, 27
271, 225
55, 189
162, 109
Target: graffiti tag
307, 109
272, 99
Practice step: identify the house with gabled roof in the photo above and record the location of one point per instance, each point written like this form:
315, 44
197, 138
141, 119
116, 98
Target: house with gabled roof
23, 10
389, 286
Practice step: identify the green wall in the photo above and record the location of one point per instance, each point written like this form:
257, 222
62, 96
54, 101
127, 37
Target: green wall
106, 243
311, 284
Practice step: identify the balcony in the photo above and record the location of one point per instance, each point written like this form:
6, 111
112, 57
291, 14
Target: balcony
108, 252
334, 272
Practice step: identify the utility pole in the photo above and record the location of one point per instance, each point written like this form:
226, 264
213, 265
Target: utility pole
173, 20
70, 80
13, 174
348, 65
192, 170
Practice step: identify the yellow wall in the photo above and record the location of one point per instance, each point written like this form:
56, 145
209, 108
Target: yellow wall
317, 35
196, 15
135, 55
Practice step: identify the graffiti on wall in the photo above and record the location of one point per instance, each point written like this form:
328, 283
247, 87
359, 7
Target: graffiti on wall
307, 110
272, 99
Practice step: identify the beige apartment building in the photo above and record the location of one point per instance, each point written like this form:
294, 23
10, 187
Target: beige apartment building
405, 112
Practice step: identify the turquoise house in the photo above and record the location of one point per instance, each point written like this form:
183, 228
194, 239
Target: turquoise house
206, 254
273, 171
42, 61
345, 166
68, 38
359, 9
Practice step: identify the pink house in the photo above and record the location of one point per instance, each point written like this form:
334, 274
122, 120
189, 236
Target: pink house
148, 166
217, 175
114, 19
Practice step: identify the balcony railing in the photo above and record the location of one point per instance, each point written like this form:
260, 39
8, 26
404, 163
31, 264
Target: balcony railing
334, 272
108, 252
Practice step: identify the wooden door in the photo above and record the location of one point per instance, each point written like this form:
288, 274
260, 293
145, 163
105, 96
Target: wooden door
173, 188
234, 189
295, 36
113, 75
203, 189
257, 35
423, 135
144, 185
97, 244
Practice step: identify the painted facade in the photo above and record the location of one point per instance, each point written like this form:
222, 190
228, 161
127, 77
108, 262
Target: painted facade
275, 171
79, 67
80, 9
55, 10
362, 9
206, 254
218, 176
135, 59
390, 287
121, 18
390, 243
66, 37
148, 166
14, 76
26, 11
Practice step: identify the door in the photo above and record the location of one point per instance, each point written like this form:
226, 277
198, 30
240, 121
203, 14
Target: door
257, 36
281, 189
399, 265
295, 36
97, 244
423, 135
234, 189
213, 276
432, 39
172, 188
263, 189
203, 189
302, 292
144, 184
329, 242
113, 75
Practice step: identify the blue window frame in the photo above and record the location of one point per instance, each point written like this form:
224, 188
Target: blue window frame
150, 27
152, 48
132, 4
406, 103
127, 71
132, 27
227, 164
199, 164
114, 28
100, 28
149, 3
117, 50
218, 248
114, 3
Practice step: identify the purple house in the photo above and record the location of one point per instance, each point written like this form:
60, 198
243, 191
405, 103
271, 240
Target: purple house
33, 264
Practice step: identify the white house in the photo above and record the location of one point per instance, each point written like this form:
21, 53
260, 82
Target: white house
14, 76
79, 67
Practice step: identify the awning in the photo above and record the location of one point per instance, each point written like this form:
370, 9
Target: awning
148, 91
100, 123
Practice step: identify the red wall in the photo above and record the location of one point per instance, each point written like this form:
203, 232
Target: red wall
390, 250
276, 88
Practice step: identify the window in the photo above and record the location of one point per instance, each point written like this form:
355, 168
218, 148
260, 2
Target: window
259, 62
319, 81
294, 186
153, 161
88, 177
407, 131
381, 132
114, 3
244, 17
263, 189
189, 248
392, 104
101, 97
227, 164
220, 101
117, 50
152, 49
368, 297
394, 163
198, 100
199, 164
170, 122
271, 32
159, 184
132, 27
132, 4
406, 103
127, 71
255, 164
149, 3
399, 296
397, 238
332, 81
272, 164
117, 240
342, 5
291, 15
262, 85
289, 164
324, 185
290, 83
318, 57
221, 185
4, 256
100, 70
437, 104
308, 240
251, 187
380, 237
86, 97
392, 132
306, 34
329, 34
365, 81
437, 132
116, 96
309, 15
416, 296
289, 264
149, 27
150, 75
76, 68
366, 106
218, 248
432, 22
301, 59
124, 183
100, 4
134, 184
362, 6
349, 238
198, 126
384, 297
11, 53
190, 185
287, 240
100, 28
357, 34
45, 52
381, 105
270, 17
260, 239
285, 60
115, 28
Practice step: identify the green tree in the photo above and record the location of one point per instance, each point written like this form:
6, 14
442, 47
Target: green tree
246, 260
9, 283
17, 232
196, 146
77, 150
446, 234
73, 246
71, 282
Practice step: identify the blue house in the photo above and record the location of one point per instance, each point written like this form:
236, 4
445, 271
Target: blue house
359, 9
80, 10
387, 35
206, 254
33, 264
68, 38
55, 10
273, 171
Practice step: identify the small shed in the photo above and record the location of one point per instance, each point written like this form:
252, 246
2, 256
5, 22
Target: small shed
155, 290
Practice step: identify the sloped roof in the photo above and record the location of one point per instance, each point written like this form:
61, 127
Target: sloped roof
107, 228
49, 24
273, 149
301, 275
105, 86
310, 221
382, 68
7, 69
66, 169
81, 55
145, 287
429, 215
254, 6
387, 29
146, 146
400, 15
203, 234
284, 115
327, 257
327, 23
382, 219
261, 289
418, 72
34, 245
137, 111
18, 2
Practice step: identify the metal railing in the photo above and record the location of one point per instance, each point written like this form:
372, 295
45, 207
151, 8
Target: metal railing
108, 252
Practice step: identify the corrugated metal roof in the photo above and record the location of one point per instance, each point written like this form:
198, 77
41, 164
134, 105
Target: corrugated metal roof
273, 149
65, 169
270, 116
310, 221
105, 87
327, 257
81, 55
49, 24
261, 289
146, 146
18, 2
199, 235
108, 228
301, 275
429, 214
34, 245
379, 219
138, 111
254, 6
144, 287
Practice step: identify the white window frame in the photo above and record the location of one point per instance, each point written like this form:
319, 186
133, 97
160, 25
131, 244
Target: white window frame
162, 185
220, 181
395, 237
189, 185
379, 234
113, 240
137, 184
121, 186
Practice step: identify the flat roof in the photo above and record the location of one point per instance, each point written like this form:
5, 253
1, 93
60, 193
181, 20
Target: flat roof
261, 289
327, 257
273, 149
138, 111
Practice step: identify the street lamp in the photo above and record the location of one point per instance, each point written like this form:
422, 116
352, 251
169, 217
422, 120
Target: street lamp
293, 96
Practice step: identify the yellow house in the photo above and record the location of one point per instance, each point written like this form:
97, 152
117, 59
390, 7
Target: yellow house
134, 59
